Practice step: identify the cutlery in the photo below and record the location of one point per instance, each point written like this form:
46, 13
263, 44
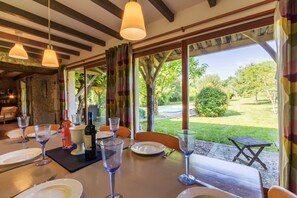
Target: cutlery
49, 179
168, 153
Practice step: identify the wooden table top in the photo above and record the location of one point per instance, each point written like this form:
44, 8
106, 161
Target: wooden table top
138, 176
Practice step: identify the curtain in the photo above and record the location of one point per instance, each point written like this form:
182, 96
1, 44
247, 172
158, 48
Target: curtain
286, 39
119, 84
61, 80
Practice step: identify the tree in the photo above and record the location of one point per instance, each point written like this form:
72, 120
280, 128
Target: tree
161, 79
257, 78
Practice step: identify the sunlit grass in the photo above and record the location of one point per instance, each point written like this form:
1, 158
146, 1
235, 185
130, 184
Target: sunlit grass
243, 118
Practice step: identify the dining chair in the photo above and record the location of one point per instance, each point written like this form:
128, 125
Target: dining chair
280, 192
29, 129
122, 132
168, 140
55, 127
15, 133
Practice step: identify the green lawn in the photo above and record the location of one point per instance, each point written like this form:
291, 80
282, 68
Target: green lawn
243, 118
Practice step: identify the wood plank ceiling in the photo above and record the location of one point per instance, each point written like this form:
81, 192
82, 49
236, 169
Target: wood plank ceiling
76, 26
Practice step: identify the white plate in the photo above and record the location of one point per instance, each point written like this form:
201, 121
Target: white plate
103, 134
203, 192
19, 156
59, 188
32, 135
148, 148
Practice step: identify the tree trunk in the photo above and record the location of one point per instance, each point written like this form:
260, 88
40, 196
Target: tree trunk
256, 98
156, 109
150, 106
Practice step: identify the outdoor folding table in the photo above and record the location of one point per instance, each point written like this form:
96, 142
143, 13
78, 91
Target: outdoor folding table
249, 142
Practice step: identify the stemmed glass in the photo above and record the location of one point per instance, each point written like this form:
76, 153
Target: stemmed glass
114, 123
76, 119
23, 123
187, 146
112, 158
42, 134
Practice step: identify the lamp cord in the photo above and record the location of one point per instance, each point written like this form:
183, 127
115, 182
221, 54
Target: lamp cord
49, 22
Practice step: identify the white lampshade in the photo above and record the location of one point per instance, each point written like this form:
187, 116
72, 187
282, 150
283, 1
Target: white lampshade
50, 58
133, 27
18, 51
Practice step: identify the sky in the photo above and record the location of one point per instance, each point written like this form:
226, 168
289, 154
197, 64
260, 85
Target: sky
226, 63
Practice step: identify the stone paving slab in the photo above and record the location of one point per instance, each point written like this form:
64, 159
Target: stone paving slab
227, 153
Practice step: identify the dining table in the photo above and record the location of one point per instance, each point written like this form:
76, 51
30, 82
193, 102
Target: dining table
145, 176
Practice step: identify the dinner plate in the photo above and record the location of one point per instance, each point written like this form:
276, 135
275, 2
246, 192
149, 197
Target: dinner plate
103, 134
147, 148
59, 188
32, 135
19, 156
203, 192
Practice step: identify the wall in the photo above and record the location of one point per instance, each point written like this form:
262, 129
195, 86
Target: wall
45, 99
5, 84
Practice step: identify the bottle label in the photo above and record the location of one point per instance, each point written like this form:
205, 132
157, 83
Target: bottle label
88, 142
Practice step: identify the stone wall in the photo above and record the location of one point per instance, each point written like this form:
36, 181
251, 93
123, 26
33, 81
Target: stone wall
45, 99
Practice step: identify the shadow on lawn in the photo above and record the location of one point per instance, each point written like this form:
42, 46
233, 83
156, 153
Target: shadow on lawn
260, 102
231, 113
219, 133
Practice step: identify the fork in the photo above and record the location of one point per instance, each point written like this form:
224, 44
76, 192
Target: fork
168, 153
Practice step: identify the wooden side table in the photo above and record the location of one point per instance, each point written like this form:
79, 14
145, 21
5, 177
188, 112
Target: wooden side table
248, 143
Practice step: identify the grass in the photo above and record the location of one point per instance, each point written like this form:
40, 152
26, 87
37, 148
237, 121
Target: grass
243, 118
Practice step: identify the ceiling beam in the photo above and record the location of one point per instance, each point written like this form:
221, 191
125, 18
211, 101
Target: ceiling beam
26, 69
4, 73
212, 3
31, 55
4, 35
44, 22
43, 34
32, 49
80, 17
165, 11
110, 7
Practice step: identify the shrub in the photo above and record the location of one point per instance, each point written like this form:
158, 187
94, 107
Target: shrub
141, 113
211, 102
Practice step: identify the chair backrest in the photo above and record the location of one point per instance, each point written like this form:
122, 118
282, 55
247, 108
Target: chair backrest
55, 127
123, 131
29, 129
168, 140
280, 192
15, 133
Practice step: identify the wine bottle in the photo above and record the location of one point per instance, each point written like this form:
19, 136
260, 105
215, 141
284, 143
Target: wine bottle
66, 136
90, 139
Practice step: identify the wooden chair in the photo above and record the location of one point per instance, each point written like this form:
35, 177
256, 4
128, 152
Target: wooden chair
29, 129
122, 132
168, 140
55, 127
280, 192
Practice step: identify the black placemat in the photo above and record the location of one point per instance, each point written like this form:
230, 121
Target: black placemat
71, 162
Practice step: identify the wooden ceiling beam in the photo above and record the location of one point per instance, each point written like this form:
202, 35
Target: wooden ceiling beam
163, 9
110, 7
212, 3
32, 55
26, 69
32, 49
44, 22
23, 40
80, 17
43, 34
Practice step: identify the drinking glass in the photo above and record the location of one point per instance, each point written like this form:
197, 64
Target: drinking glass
112, 158
114, 125
23, 123
76, 119
187, 146
43, 134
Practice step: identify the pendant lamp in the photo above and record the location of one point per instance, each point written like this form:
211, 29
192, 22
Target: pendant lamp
133, 27
18, 51
49, 56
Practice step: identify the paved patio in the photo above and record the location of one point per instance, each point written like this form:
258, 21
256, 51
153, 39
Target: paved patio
227, 153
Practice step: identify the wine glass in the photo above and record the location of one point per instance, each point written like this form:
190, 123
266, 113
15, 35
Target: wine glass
42, 134
112, 158
114, 123
187, 146
23, 123
76, 119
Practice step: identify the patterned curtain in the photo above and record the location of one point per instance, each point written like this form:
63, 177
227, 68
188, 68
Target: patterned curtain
286, 39
119, 84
